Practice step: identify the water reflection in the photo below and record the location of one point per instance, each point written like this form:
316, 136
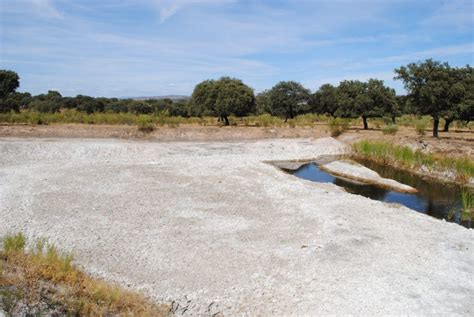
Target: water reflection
433, 198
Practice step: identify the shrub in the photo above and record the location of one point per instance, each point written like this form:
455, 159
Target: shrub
420, 127
145, 124
391, 129
338, 126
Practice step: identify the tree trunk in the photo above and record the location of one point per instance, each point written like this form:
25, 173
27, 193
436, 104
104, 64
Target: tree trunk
226, 120
394, 120
447, 122
435, 127
366, 126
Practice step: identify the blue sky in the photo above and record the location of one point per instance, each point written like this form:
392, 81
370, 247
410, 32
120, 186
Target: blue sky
158, 47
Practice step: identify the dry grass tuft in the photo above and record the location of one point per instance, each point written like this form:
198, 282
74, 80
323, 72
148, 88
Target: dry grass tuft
43, 281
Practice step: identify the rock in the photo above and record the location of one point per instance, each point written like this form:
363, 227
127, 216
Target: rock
355, 171
289, 166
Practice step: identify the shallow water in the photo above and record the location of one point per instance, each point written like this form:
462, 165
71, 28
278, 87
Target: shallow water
439, 200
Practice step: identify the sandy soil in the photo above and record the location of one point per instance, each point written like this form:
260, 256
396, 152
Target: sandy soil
213, 228
454, 143
181, 133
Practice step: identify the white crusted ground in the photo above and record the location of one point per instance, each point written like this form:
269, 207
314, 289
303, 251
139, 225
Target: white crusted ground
214, 228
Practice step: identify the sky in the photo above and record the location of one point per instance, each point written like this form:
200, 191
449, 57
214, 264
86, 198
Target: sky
159, 47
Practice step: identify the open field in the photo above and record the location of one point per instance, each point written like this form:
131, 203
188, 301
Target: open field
457, 142
212, 227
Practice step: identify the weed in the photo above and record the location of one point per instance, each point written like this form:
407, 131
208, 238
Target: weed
14, 243
420, 126
391, 129
338, 126
467, 198
145, 124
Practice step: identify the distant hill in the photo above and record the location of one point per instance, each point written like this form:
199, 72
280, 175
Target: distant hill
172, 97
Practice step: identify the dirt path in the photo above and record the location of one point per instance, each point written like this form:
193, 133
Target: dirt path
212, 227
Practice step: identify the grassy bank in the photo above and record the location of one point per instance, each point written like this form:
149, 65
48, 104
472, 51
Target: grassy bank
44, 281
405, 157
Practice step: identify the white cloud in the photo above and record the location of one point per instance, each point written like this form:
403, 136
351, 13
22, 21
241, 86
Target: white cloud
437, 52
40, 8
168, 8
457, 14
104, 51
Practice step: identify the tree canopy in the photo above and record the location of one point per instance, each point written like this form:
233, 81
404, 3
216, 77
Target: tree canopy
325, 100
9, 82
436, 89
365, 99
289, 99
433, 88
222, 98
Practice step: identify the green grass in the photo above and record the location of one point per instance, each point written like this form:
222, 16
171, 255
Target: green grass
404, 156
391, 129
467, 210
467, 198
338, 126
14, 243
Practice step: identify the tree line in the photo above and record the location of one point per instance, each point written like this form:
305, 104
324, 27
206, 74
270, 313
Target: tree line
433, 88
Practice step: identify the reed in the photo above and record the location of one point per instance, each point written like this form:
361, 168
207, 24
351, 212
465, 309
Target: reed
386, 152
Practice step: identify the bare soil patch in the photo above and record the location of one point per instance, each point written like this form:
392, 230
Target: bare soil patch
212, 228
456, 142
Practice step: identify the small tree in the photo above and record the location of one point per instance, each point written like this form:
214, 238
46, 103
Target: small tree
365, 99
222, 98
384, 100
9, 82
460, 96
140, 107
262, 102
325, 100
203, 98
289, 99
428, 85
51, 102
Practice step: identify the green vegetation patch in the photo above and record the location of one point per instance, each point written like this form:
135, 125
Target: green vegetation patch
404, 156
